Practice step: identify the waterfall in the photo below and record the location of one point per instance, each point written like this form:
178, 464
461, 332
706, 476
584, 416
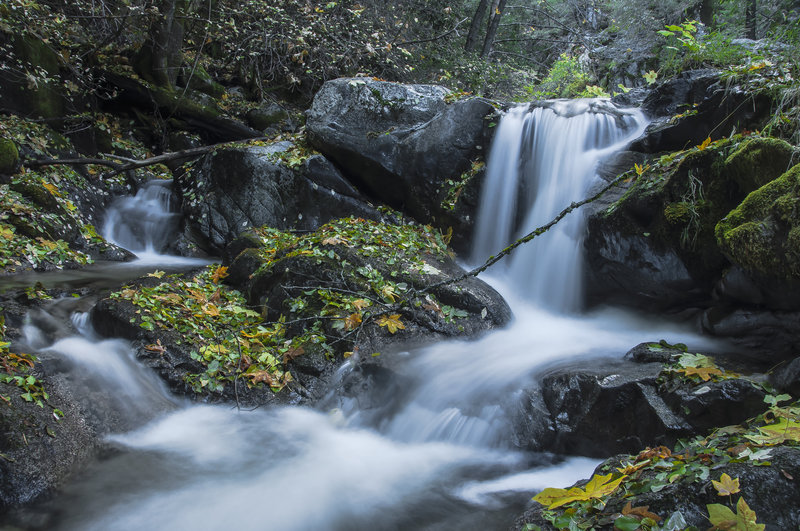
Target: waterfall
144, 223
542, 160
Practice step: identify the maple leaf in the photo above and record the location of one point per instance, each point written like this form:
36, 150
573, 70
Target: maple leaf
156, 274
360, 304
220, 273
157, 347
292, 353
643, 511
335, 240
211, 310
262, 377
705, 373
352, 321
722, 517
726, 485
597, 487
391, 322
781, 431
388, 292
197, 295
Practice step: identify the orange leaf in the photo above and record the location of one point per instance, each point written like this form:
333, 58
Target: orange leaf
640, 511
705, 144
220, 273
705, 373
352, 321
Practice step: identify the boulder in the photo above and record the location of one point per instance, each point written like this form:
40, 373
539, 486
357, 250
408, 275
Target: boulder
656, 246
611, 406
9, 156
695, 105
400, 143
231, 190
761, 237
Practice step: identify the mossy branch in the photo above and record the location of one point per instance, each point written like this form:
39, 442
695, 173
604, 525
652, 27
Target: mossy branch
134, 164
528, 237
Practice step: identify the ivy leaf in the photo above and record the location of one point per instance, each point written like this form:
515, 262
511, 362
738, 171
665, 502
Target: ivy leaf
391, 322
726, 485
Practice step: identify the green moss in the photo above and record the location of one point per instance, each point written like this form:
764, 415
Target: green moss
758, 160
759, 233
678, 212
9, 156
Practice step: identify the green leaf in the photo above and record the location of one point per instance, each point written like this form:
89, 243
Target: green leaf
724, 518
627, 523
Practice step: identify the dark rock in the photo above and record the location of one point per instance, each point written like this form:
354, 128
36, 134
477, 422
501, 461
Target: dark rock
270, 115
768, 336
707, 108
770, 491
233, 189
653, 352
656, 246
399, 143
786, 378
618, 406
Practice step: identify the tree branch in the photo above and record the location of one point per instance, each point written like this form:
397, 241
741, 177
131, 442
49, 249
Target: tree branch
442, 36
528, 237
133, 164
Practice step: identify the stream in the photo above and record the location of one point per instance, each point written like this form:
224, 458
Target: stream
435, 452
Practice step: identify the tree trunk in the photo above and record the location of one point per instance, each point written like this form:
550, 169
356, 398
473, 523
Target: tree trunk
494, 23
475, 27
161, 56
707, 8
750, 19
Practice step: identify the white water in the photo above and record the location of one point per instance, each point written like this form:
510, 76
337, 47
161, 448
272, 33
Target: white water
145, 223
437, 453
542, 161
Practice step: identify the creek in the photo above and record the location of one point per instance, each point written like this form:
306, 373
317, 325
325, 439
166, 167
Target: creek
434, 450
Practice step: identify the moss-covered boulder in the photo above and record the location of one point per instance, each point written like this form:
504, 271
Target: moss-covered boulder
657, 246
37, 93
762, 236
9, 156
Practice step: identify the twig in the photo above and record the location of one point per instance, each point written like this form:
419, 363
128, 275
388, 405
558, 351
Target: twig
525, 239
442, 36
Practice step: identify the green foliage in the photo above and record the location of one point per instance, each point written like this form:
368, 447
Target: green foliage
567, 78
15, 370
454, 187
223, 334
692, 461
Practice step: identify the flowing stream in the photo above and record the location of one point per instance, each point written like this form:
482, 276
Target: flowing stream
436, 451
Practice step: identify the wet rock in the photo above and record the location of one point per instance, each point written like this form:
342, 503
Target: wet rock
399, 143
615, 406
787, 378
705, 106
656, 246
234, 189
771, 491
38, 453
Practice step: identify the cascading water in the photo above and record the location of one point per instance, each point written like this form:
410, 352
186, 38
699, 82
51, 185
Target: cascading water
145, 222
544, 159
436, 454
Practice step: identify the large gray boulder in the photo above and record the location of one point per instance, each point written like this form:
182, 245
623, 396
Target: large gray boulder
400, 143
231, 190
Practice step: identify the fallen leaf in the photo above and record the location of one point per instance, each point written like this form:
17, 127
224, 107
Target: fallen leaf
157, 347
726, 485
220, 273
643, 511
391, 322
352, 321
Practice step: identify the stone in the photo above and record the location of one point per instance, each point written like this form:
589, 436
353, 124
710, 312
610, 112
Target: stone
399, 143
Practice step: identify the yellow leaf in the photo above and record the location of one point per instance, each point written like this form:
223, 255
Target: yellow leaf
156, 274
52, 189
705, 373
211, 309
597, 487
391, 322
360, 304
6, 233
388, 292
726, 485
705, 144
352, 321
220, 273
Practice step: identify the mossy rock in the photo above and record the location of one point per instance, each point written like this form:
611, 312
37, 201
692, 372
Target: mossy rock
762, 234
9, 156
202, 81
758, 159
